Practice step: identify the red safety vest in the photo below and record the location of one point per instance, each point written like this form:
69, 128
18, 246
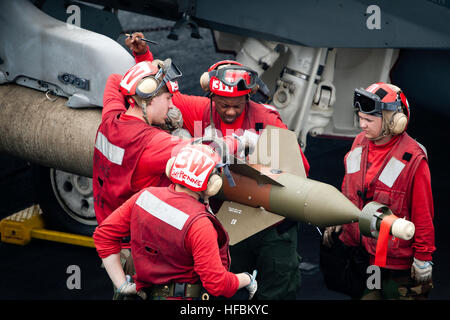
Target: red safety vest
391, 186
118, 148
257, 116
160, 220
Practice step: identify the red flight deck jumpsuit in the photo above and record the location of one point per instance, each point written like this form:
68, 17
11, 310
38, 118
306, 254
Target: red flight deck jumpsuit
128, 155
173, 239
395, 174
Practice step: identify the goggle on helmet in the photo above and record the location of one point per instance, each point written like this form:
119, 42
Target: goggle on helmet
377, 97
231, 79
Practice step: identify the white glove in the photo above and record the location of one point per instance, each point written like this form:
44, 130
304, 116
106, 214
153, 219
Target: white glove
328, 235
421, 270
247, 142
253, 286
127, 288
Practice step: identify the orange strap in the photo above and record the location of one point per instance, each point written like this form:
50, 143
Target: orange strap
383, 237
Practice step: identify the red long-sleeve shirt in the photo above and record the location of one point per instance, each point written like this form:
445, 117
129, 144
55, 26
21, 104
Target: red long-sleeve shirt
201, 241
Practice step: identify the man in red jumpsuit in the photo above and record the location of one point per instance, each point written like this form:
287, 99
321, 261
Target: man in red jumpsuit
131, 149
387, 166
180, 250
228, 110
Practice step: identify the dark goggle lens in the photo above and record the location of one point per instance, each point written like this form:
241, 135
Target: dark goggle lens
364, 104
173, 73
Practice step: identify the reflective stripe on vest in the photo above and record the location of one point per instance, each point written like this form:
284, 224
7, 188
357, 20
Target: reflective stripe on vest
391, 172
267, 106
112, 152
423, 148
354, 160
161, 210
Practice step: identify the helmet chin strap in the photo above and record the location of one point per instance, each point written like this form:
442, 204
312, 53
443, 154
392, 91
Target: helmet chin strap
144, 112
206, 202
211, 116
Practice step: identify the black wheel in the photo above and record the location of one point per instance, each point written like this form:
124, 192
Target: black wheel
66, 200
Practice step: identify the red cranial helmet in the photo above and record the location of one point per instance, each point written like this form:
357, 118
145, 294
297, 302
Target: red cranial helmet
145, 79
384, 100
194, 167
229, 78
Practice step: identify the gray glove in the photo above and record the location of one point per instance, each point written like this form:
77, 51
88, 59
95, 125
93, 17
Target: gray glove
247, 143
253, 286
127, 288
421, 270
250, 140
174, 119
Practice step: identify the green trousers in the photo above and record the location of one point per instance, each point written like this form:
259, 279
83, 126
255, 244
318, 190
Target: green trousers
275, 257
398, 285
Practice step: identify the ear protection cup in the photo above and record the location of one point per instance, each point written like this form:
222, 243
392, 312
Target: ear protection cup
169, 165
398, 123
204, 81
399, 120
147, 85
213, 186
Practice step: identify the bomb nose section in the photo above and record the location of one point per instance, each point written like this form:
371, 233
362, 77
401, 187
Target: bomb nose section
372, 216
311, 201
403, 229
